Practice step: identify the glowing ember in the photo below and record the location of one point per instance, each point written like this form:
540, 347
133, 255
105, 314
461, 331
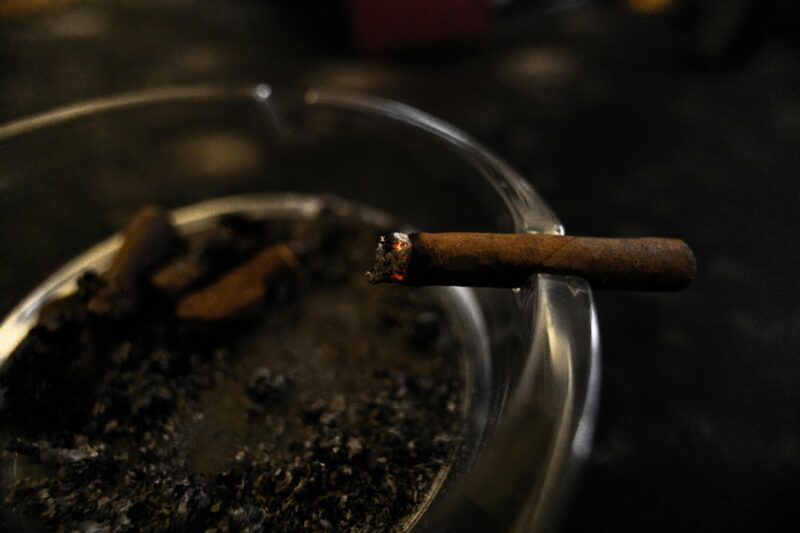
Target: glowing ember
391, 259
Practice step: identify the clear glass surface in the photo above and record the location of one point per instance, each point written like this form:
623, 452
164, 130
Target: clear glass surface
70, 177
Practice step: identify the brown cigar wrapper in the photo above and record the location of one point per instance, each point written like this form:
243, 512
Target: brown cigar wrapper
508, 260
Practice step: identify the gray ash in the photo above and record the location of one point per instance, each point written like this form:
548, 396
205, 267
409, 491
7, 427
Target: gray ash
333, 406
267, 388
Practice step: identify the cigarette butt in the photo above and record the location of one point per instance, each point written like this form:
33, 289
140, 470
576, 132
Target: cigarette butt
148, 240
240, 289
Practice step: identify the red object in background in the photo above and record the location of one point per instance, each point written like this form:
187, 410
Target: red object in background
381, 25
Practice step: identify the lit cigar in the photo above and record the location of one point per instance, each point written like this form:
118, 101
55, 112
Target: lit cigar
507, 260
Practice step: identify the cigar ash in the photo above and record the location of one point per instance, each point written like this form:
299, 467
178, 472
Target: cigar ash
392, 257
327, 404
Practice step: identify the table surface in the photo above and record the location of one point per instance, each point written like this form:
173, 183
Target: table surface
699, 422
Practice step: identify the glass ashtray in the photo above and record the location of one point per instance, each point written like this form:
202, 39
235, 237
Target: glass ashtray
71, 177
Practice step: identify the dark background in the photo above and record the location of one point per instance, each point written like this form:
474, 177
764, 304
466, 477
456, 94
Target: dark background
629, 124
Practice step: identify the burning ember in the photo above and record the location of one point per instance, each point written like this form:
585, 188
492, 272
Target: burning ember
391, 259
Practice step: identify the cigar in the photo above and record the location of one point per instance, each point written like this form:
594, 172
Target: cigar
508, 260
